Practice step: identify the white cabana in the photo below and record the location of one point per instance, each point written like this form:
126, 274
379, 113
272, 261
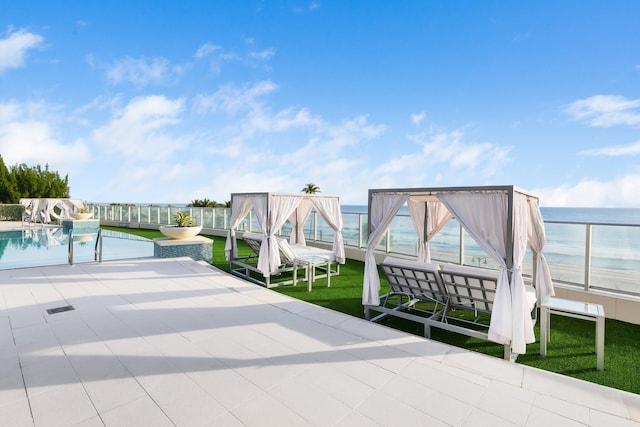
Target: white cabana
272, 211
43, 209
503, 220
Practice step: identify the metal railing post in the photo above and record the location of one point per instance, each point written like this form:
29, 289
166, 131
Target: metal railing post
387, 248
461, 260
70, 249
587, 258
97, 250
360, 233
315, 226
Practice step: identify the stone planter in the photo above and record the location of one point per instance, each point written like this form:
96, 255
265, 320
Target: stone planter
82, 215
175, 232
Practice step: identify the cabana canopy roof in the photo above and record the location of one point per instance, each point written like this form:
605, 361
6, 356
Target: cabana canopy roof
272, 210
503, 220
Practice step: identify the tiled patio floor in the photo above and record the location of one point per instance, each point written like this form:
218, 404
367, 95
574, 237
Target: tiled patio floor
174, 342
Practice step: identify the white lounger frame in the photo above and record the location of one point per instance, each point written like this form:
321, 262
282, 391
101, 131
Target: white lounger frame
453, 287
244, 266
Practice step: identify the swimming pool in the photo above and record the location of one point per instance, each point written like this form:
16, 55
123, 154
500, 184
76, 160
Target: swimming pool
50, 246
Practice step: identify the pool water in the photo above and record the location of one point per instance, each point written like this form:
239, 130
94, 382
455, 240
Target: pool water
50, 246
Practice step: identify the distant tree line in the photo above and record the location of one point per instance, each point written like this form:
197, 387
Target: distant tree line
22, 181
206, 203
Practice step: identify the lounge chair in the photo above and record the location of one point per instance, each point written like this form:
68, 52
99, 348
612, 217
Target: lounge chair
411, 282
289, 255
464, 293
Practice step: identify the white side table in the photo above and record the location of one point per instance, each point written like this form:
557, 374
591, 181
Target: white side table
311, 263
578, 310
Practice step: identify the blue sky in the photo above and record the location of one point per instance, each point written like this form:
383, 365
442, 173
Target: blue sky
169, 101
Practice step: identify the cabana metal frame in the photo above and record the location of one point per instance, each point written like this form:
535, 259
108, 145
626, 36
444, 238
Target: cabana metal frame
503, 220
272, 211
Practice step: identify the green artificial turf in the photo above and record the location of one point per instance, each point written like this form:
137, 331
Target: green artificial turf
571, 351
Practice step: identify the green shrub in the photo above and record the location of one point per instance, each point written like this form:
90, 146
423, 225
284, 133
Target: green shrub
11, 212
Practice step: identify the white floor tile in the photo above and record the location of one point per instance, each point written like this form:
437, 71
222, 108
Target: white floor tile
63, 406
267, 411
575, 391
389, 411
438, 405
356, 419
141, 412
602, 419
310, 402
563, 408
15, 413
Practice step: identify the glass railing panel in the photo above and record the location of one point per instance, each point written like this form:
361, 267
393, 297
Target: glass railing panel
196, 215
154, 217
164, 215
206, 217
133, 212
475, 256
402, 236
144, 215
324, 232
445, 246
565, 252
615, 258
350, 229
220, 218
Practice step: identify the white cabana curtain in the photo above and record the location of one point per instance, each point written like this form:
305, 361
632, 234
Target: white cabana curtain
331, 213
68, 205
42, 209
484, 217
29, 208
298, 219
383, 209
432, 213
46, 207
280, 209
537, 239
522, 331
239, 209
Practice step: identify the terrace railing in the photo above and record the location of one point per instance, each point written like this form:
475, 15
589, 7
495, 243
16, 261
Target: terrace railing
585, 255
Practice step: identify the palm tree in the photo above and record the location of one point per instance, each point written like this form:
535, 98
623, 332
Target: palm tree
311, 188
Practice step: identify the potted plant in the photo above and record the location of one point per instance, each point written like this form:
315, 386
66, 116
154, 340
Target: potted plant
82, 214
185, 227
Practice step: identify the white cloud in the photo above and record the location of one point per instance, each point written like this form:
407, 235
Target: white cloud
140, 130
27, 135
143, 71
217, 55
233, 98
606, 110
614, 150
619, 192
206, 50
263, 54
445, 157
15, 46
416, 118
353, 131
281, 121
